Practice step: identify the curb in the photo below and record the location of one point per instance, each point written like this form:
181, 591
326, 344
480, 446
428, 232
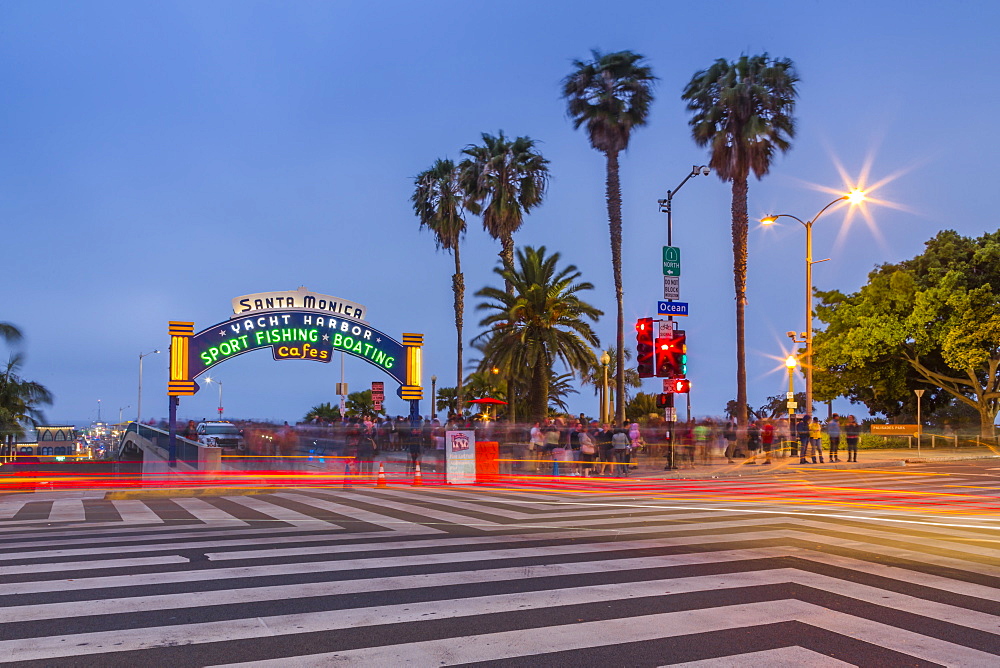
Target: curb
188, 492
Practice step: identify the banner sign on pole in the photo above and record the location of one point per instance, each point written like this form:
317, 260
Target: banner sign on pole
460, 457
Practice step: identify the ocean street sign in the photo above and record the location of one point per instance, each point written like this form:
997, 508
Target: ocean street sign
671, 308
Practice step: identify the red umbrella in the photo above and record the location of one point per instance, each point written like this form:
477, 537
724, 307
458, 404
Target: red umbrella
487, 400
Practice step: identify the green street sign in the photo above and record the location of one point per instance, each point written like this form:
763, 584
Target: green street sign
671, 261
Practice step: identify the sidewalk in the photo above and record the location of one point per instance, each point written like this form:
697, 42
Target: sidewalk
653, 468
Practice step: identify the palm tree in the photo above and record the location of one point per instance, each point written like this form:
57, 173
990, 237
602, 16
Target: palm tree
611, 95
359, 404
437, 201
743, 112
325, 412
542, 320
503, 179
20, 400
10, 333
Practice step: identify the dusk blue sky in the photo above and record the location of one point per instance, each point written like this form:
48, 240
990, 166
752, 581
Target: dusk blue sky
159, 159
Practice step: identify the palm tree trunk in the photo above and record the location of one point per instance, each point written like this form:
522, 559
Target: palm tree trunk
740, 231
540, 392
458, 285
507, 257
614, 198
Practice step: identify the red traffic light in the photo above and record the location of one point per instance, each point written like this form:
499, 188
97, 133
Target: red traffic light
644, 347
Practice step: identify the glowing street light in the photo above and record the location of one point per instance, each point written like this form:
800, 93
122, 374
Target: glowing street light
138, 408
605, 361
856, 196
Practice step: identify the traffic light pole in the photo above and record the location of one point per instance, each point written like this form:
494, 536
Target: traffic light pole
666, 206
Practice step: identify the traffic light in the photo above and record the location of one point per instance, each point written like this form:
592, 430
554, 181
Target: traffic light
681, 338
671, 355
644, 347
662, 400
679, 386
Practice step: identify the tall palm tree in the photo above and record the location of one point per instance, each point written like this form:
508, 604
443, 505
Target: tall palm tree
742, 111
611, 95
438, 202
10, 333
503, 179
542, 320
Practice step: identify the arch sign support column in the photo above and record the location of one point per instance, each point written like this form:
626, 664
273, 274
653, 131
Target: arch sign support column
294, 325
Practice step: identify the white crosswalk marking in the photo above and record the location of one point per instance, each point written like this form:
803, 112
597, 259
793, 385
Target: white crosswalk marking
441, 577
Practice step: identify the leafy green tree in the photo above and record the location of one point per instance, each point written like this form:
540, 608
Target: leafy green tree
359, 404
560, 387
611, 95
938, 314
777, 405
541, 321
438, 202
325, 412
742, 111
447, 401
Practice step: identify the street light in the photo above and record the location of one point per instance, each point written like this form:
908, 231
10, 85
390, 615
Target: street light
219, 383
120, 412
605, 361
856, 196
138, 408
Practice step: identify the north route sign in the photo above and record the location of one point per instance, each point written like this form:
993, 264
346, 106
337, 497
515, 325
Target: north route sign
671, 261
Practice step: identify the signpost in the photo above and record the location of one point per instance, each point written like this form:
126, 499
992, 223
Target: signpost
671, 308
460, 457
671, 261
671, 287
378, 394
670, 414
666, 329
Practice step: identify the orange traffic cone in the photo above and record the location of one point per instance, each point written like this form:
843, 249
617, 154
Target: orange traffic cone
380, 482
417, 478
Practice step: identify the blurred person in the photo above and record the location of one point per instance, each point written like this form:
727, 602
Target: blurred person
621, 446
554, 447
588, 453
833, 431
852, 432
702, 434
729, 433
753, 442
816, 436
537, 445
766, 440
802, 432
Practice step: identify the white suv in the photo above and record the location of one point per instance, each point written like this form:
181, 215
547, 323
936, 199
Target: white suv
221, 435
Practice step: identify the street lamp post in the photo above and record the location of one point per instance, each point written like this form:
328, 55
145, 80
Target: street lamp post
434, 382
138, 411
854, 197
790, 364
120, 410
920, 426
605, 361
219, 383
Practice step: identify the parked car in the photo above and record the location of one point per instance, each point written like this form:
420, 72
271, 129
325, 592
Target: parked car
221, 435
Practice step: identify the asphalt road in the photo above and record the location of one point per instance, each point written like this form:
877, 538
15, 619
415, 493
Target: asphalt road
872, 567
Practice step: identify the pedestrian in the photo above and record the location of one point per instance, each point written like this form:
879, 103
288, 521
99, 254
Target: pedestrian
606, 450
802, 431
766, 440
588, 452
833, 431
620, 443
729, 433
852, 431
702, 438
816, 436
554, 447
753, 441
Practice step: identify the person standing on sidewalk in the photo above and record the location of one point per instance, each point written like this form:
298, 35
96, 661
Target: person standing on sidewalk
833, 431
753, 442
852, 431
620, 443
802, 431
766, 439
816, 436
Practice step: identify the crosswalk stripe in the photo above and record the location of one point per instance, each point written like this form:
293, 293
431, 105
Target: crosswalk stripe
208, 513
135, 511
